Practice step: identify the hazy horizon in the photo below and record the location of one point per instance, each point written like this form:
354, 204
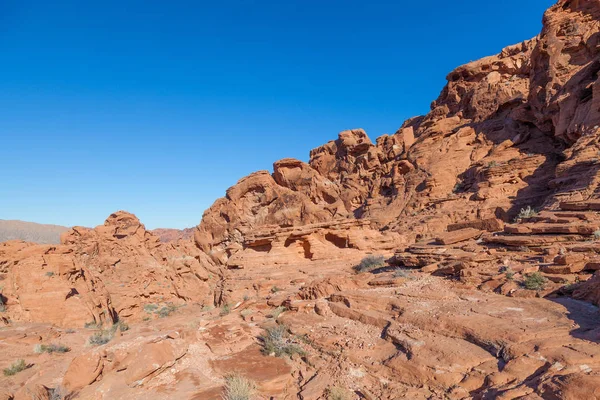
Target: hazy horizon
158, 108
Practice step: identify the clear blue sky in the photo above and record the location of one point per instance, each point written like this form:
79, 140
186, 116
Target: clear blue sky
157, 107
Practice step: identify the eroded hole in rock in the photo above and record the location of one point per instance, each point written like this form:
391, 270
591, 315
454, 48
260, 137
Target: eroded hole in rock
302, 245
265, 247
338, 241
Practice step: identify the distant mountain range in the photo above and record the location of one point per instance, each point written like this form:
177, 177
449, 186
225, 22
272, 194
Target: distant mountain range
50, 234
30, 231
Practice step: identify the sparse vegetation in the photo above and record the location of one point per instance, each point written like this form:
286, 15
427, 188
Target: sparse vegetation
166, 311
597, 234
225, 309
510, 274
49, 274
106, 335
15, 368
150, 308
278, 342
369, 263
277, 312
275, 289
246, 297
91, 325
535, 281
50, 348
238, 387
338, 393
403, 273
101, 337
527, 212
492, 164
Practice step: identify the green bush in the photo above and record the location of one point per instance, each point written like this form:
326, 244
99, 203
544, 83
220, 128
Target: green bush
369, 263
50, 348
278, 342
238, 388
14, 369
535, 281
166, 311
225, 309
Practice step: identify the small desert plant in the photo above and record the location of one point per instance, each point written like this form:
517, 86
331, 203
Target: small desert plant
597, 234
338, 393
369, 263
2, 305
121, 326
246, 297
492, 164
150, 308
91, 325
238, 388
49, 274
15, 368
277, 312
106, 335
278, 342
459, 187
535, 281
225, 309
58, 393
50, 348
403, 273
166, 311
275, 289
510, 274
527, 212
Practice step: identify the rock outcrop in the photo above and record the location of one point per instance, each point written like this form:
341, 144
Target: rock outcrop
454, 259
100, 275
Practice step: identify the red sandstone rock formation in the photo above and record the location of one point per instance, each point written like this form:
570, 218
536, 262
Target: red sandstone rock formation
100, 275
483, 304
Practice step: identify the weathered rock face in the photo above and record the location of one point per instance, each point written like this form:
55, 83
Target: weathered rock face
511, 130
100, 275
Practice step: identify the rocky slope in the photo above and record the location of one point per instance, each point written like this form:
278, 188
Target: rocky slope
481, 220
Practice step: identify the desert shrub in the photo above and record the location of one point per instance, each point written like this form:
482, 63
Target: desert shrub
275, 289
369, 263
2, 305
403, 273
91, 325
166, 311
535, 281
121, 326
50, 348
15, 368
150, 308
238, 388
225, 309
527, 212
278, 342
277, 312
49, 274
105, 335
58, 393
510, 274
597, 234
338, 393
492, 164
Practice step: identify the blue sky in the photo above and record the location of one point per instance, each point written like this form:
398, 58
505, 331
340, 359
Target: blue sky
157, 107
